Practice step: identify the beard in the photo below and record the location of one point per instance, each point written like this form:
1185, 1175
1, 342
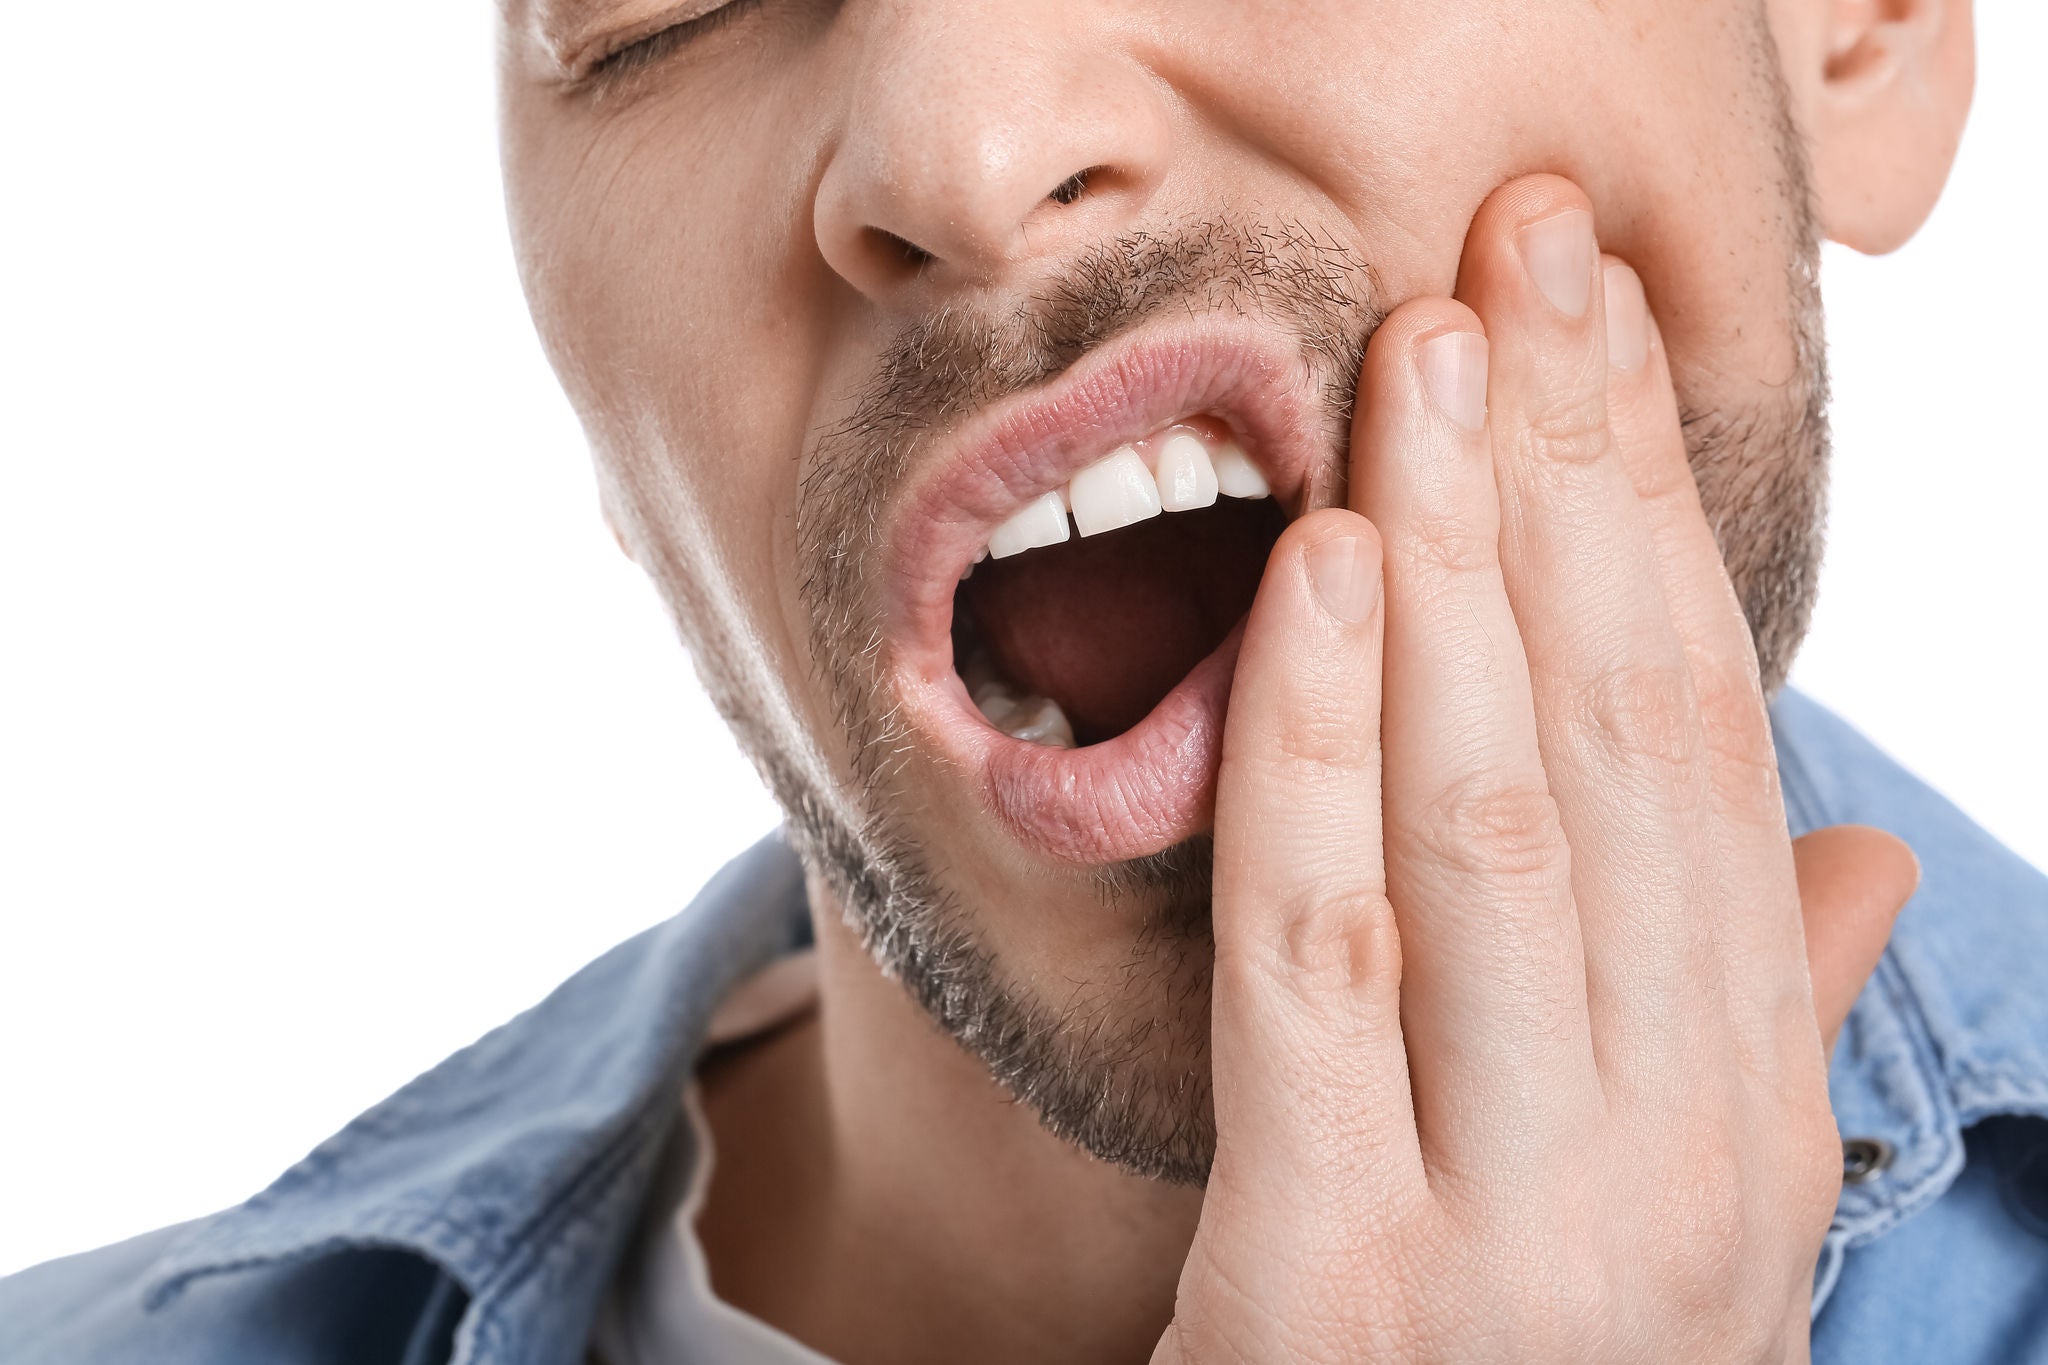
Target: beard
1118, 1065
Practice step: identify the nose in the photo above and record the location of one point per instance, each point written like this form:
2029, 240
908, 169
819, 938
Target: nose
980, 142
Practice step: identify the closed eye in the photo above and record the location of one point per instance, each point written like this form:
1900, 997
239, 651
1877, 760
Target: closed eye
642, 53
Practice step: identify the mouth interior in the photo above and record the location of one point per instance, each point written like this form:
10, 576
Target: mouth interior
1107, 625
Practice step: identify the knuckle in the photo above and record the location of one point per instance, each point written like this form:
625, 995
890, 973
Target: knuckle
1340, 942
1734, 726
1721, 1245
1315, 738
1709, 1210
1444, 543
1569, 428
1492, 828
1664, 478
1701, 1260
1814, 1171
1731, 711
1644, 712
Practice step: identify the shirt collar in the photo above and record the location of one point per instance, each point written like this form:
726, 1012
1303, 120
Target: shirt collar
1953, 1027
556, 1117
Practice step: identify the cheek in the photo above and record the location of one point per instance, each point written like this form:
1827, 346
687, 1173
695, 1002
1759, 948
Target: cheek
1664, 113
1393, 119
669, 278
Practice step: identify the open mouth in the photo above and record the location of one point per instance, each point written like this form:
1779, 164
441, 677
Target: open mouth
1071, 631
1067, 587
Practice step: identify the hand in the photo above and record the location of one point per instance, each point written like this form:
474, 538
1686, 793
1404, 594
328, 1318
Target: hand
1516, 1052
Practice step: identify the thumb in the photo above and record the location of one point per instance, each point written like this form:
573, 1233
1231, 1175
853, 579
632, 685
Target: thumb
1853, 881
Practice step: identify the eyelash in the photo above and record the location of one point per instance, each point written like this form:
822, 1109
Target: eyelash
645, 52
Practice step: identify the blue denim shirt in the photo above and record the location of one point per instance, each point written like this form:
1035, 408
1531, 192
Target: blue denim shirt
478, 1214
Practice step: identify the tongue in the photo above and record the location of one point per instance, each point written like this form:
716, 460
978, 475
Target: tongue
1107, 626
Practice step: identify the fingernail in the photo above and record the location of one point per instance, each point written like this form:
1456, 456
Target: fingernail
1559, 254
1628, 318
1453, 369
1345, 572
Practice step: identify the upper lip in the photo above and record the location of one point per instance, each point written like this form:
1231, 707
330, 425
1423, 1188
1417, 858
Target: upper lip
1246, 374
1152, 786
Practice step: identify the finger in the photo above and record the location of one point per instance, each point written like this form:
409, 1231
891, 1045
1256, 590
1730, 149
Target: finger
1642, 411
1613, 695
1755, 928
1853, 881
1306, 1052
1499, 1047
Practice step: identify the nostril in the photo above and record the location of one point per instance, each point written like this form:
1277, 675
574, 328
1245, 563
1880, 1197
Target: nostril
1074, 186
899, 249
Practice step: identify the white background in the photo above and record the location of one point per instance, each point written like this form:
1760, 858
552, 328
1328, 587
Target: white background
333, 730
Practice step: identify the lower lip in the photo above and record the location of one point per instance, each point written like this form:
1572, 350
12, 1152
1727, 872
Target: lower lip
1138, 794
1155, 785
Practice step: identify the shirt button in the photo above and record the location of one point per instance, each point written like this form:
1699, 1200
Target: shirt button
1864, 1158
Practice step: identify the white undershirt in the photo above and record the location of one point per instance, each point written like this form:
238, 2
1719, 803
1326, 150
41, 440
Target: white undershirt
662, 1310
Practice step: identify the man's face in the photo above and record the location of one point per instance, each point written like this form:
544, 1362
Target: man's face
841, 289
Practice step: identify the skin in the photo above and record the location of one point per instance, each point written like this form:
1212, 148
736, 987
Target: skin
1543, 908
1510, 948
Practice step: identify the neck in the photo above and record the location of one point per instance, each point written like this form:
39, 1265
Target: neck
879, 1197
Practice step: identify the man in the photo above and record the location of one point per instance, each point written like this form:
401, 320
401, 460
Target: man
1252, 548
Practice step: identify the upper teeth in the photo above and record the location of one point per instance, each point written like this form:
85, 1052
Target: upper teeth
1237, 476
1186, 477
1113, 492
1042, 522
1187, 470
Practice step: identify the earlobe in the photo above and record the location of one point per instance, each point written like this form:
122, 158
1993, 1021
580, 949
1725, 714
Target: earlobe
1890, 98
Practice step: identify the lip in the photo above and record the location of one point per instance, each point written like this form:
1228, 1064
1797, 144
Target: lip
1154, 785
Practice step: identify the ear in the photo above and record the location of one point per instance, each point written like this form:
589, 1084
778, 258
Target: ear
1888, 85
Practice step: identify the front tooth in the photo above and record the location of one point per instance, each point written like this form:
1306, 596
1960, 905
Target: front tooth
1039, 720
1042, 522
1114, 491
1236, 475
1186, 478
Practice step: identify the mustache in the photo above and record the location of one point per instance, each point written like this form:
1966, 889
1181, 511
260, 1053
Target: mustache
957, 359
964, 355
